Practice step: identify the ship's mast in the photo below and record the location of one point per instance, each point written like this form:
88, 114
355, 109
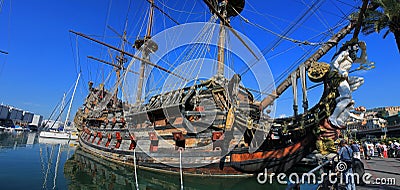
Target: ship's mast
221, 40
224, 9
121, 60
145, 54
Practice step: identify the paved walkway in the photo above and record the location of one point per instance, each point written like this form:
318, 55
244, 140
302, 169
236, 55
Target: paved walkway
382, 170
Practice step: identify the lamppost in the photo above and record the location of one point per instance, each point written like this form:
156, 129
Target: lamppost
355, 133
384, 129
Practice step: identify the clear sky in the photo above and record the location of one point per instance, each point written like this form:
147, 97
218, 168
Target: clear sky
44, 56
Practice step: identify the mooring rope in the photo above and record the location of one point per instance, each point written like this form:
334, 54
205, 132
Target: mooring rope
180, 167
134, 164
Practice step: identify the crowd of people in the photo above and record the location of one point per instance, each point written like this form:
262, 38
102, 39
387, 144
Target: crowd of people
378, 149
349, 153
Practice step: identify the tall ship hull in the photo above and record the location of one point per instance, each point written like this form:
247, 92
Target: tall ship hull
216, 127
158, 141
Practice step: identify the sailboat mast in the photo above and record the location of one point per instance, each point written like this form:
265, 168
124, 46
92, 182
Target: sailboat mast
145, 54
62, 107
221, 40
72, 99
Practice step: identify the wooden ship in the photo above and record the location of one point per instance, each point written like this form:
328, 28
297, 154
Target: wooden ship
170, 132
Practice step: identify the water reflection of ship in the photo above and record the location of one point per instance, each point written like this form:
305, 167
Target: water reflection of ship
87, 171
52, 154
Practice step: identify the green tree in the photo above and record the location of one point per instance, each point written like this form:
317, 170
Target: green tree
386, 16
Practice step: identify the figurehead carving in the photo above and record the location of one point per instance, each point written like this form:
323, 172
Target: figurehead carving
341, 64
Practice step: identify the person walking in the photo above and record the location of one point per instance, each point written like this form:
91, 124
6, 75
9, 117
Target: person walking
390, 149
346, 156
371, 150
356, 149
385, 150
378, 149
396, 147
366, 150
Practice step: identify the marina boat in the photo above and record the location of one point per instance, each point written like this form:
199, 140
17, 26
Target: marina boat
60, 132
54, 134
16, 128
213, 126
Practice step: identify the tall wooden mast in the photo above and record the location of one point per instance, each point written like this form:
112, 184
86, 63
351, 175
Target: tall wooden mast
224, 9
221, 40
121, 60
145, 54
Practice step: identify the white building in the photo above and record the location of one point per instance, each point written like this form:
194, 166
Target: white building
36, 120
375, 123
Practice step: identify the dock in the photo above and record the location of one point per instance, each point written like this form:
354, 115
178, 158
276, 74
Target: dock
382, 168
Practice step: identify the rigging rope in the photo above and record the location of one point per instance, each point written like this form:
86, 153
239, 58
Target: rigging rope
192, 52
300, 42
306, 54
176, 10
278, 35
126, 17
321, 18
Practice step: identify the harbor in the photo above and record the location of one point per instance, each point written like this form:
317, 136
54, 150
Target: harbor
33, 161
34, 165
205, 94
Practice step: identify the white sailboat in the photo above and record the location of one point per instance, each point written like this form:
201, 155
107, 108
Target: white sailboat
63, 134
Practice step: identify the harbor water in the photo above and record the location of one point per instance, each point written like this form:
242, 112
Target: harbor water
30, 162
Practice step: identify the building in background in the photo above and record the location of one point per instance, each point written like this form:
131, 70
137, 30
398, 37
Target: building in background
385, 111
393, 119
27, 117
376, 121
11, 116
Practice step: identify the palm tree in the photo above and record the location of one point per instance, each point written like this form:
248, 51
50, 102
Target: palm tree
386, 16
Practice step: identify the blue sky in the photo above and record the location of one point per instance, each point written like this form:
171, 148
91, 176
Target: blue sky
43, 62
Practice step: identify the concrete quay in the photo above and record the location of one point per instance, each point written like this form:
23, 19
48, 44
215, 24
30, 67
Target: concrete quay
385, 173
